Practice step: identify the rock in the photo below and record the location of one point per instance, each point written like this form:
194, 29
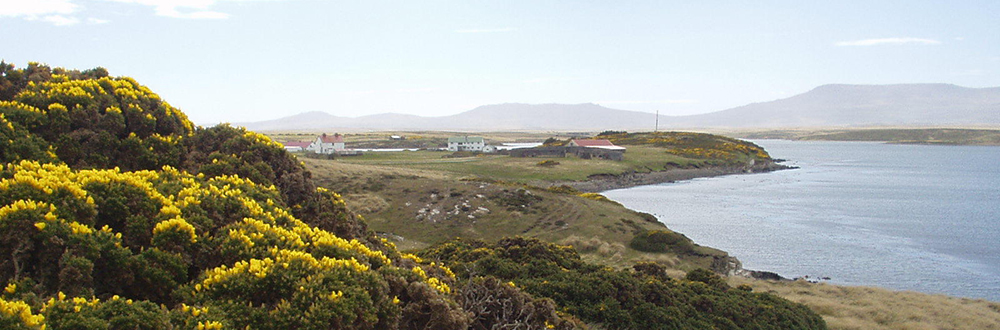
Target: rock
730, 266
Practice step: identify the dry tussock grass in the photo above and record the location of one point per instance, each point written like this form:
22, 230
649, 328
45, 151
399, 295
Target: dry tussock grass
615, 254
846, 307
331, 168
365, 203
594, 245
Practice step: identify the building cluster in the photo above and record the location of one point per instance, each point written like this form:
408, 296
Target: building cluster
583, 148
323, 144
470, 143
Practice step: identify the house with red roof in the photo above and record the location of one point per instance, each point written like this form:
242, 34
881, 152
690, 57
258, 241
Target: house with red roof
327, 144
594, 143
583, 148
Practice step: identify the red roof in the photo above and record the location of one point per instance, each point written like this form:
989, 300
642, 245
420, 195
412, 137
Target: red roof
297, 144
336, 138
594, 143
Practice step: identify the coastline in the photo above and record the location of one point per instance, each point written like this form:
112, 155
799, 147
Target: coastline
604, 182
730, 266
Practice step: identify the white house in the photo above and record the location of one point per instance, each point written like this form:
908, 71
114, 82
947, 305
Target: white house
466, 143
327, 144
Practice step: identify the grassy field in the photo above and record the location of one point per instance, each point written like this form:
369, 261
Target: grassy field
863, 308
524, 170
419, 207
428, 196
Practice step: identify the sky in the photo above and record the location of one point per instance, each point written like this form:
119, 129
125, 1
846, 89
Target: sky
252, 60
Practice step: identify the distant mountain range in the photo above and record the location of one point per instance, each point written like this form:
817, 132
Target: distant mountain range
824, 106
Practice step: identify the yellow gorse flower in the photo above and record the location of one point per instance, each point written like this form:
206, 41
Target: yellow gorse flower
22, 311
178, 225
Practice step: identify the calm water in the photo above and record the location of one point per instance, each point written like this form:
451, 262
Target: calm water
922, 218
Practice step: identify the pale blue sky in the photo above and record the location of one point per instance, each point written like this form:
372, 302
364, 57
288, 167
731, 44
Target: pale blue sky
245, 60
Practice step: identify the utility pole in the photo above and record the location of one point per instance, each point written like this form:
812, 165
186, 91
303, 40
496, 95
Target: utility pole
657, 127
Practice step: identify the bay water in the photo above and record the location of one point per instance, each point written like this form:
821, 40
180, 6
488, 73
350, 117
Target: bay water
906, 217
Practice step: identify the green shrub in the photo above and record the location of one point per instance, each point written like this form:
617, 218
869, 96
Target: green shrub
660, 241
563, 189
619, 299
708, 277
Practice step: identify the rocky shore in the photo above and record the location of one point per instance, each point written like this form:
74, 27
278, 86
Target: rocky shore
602, 182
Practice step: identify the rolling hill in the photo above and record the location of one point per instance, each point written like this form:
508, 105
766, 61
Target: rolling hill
863, 105
824, 106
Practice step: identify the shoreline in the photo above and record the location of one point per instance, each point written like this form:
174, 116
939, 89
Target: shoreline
729, 266
604, 182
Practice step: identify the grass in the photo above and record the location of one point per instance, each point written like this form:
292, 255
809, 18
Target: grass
857, 308
397, 200
524, 170
427, 196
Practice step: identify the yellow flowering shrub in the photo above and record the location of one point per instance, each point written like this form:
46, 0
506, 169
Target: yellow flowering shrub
275, 252
176, 226
18, 315
174, 231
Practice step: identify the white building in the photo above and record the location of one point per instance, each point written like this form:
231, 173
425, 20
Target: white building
327, 144
466, 143
296, 146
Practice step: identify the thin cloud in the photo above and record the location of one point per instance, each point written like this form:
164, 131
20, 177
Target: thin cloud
36, 8
498, 30
889, 41
187, 9
51, 11
190, 9
60, 20
59, 12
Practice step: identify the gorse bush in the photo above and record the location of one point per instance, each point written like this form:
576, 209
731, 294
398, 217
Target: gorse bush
692, 145
621, 299
168, 237
116, 212
659, 241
